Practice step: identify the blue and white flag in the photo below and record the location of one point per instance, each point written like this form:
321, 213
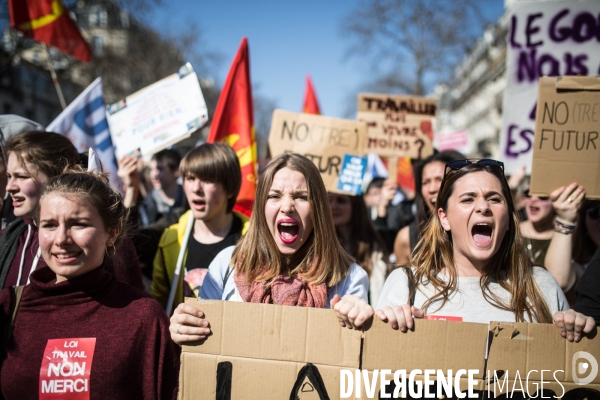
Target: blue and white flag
84, 122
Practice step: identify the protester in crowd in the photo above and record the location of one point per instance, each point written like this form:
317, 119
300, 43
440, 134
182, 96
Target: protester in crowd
474, 265
287, 257
588, 295
360, 239
121, 333
372, 196
166, 195
10, 125
33, 158
211, 181
390, 218
428, 178
538, 227
576, 236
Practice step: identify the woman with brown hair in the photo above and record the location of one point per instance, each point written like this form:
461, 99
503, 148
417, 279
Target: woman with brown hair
32, 159
360, 239
76, 331
289, 255
471, 265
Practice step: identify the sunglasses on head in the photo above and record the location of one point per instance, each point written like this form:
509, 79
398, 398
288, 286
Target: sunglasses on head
594, 212
542, 198
484, 162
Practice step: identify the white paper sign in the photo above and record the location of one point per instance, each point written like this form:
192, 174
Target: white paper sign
549, 38
159, 115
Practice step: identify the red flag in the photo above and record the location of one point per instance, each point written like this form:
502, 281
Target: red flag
48, 21
233, 123
311, 105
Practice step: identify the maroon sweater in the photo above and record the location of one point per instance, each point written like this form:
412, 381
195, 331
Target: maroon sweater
126, 266
134, 357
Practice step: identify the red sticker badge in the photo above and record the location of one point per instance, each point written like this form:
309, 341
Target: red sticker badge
443, 318
66, 368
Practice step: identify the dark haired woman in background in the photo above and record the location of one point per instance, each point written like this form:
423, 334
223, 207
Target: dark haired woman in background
360, 239
428, 178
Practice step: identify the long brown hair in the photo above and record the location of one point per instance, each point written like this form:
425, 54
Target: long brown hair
510, 266
321, 259
364, 239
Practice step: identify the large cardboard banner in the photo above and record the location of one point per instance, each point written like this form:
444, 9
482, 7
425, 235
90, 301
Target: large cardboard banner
567, 142
324, 140
398, 126
159, 115
265, 351
546, 38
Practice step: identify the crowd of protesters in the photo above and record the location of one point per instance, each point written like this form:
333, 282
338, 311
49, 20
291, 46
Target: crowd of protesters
80, 260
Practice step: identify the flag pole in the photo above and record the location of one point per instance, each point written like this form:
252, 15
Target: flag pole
54, 78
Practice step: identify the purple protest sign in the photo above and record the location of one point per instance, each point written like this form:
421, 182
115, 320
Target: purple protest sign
546, 38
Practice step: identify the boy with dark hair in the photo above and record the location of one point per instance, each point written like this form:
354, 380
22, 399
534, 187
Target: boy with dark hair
211, 182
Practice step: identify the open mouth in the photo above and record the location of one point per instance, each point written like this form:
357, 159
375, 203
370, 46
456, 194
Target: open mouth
534, 210
199, 204
17, 201
288, 230
482, 234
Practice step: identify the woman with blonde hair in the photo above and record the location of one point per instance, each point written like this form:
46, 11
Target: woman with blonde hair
289, 255
471, 264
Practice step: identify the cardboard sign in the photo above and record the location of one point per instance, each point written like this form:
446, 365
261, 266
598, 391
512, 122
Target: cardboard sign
66, 369
546, 38
352, 174
323, 140
567, 139
159, 115
398, 126
264, 351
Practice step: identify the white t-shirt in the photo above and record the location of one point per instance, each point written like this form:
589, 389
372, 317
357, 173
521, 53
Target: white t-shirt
355, 283
468, 301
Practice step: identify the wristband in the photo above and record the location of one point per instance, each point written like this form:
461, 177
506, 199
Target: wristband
558, 227
566, 225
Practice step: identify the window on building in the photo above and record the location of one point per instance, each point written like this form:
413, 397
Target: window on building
124, 19
98, 17
97, 45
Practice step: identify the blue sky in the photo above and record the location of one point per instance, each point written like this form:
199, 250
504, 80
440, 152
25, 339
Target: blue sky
288, 40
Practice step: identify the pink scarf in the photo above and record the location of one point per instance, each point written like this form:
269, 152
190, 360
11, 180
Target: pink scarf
283, 290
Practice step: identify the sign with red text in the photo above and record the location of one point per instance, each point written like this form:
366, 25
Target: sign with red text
546, 38
66, 369
323, 140
398, 126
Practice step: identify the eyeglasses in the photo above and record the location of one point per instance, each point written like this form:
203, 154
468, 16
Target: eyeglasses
542, 198
484, 162
594, 212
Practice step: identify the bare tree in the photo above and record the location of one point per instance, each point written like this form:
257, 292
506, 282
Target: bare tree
413, 45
